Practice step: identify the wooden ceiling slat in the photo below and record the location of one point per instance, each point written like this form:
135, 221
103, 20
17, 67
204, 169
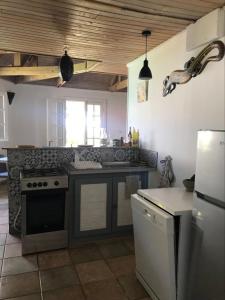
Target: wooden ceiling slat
68, 7
188, 8
99, 35
29, 35
107, 30
101, 23
111, 20
186, 12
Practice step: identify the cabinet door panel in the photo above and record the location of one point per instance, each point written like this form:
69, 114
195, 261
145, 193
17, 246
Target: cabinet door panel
123, 187
93, 206
124, 213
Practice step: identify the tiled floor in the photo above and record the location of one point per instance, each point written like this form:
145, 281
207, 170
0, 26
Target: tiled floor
95, 271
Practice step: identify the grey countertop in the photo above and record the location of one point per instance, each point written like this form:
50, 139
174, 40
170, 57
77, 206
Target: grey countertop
118, 169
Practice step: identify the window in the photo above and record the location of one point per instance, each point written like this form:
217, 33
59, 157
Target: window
93, 124
83, 123
3, 118
74, 123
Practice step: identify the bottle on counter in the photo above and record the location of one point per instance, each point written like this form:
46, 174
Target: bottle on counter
130, 140
138, 137
135, 137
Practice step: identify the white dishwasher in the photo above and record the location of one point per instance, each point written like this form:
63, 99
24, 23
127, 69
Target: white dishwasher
162, 222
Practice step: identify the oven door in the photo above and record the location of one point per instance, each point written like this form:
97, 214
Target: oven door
43, 211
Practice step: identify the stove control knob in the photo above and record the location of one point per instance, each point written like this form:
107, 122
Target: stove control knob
56, 183
45, 183
29, 185
40, 184
34, 184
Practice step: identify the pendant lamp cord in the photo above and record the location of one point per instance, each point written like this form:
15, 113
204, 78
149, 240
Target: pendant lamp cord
146, 37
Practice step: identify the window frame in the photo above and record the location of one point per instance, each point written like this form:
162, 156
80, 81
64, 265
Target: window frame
102, 114
102, 102
5, 118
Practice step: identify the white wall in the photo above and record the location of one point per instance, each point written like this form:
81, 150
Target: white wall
169, 125
27, 114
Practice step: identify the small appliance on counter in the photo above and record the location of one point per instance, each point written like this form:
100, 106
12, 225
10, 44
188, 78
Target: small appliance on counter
44, 209
162, 224
207, 272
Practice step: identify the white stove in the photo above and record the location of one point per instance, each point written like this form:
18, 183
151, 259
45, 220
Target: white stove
43, 179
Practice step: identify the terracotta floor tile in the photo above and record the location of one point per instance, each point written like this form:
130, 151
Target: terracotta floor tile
13, 250
105, 289
2, 238
53, 259
69, 293
28, 297
17, 265
4, 228
130, 244
132, 287
122, 265
108, 240
2, 251
114, 249
85, 253
19, 285
93, 271
58, 278
11, 239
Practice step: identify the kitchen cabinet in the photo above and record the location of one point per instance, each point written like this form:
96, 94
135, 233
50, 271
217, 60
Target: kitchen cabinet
100, 203
121, 206
92, 206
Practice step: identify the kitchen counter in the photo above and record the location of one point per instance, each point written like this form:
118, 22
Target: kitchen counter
109, 169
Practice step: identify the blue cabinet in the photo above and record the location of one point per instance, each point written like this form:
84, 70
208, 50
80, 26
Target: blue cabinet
100, 203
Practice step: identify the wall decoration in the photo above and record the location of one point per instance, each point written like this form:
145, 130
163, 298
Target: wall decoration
142, 90
193, 67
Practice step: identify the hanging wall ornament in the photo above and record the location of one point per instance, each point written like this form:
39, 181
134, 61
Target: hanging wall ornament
193, 67
66, 67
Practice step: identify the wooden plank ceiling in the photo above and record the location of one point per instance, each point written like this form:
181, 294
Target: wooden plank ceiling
104, 30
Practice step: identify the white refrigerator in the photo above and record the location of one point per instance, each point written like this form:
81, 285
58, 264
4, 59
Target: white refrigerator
207, 267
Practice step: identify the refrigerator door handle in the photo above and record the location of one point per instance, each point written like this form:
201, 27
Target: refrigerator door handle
210, 199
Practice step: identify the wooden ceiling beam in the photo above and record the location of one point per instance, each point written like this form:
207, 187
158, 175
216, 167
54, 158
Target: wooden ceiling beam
119, 85
30, 74
30, 78
16, 59
52, 71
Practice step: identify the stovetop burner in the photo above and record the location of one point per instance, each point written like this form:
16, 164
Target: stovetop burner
42, 179
43, 172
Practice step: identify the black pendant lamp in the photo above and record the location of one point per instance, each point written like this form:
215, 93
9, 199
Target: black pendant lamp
66, 67
145, 73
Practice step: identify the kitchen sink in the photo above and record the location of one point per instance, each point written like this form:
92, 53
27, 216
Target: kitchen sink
118, 164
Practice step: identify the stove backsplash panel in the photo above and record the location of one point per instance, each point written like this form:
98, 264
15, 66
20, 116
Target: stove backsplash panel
38, 158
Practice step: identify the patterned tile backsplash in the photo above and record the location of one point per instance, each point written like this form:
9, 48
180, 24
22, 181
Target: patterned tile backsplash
19, 159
